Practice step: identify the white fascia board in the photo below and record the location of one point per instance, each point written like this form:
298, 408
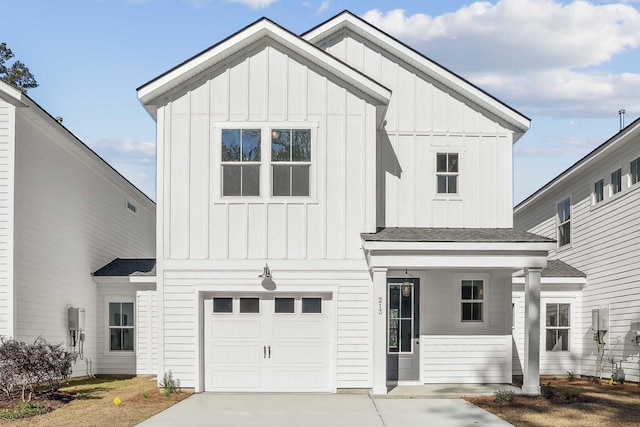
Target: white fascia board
446, 77
143, 279
148, 93
12, 95
554, 280
458, 261
583, 164
458, 246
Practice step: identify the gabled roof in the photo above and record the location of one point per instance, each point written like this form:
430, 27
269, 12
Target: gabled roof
128, 267
624, 135
259, 30
348, 21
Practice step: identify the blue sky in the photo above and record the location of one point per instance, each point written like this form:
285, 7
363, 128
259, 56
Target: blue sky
568, 65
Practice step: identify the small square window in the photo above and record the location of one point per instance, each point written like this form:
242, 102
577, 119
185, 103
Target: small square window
249, 305
223, 305
312, 305
284, 305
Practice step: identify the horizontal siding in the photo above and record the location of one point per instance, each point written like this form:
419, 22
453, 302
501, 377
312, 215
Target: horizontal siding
605, 245
354, 356
469, 359
70, 220
7, 131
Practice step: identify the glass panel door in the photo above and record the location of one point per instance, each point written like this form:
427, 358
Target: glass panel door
401, 317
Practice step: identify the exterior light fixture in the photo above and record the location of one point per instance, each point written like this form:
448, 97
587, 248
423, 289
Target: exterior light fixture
266, 272
407, 284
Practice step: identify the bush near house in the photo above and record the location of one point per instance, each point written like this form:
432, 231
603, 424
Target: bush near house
24, 367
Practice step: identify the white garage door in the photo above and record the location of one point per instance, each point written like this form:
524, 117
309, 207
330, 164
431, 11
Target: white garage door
267, 343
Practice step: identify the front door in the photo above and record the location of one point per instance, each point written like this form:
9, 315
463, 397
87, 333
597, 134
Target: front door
403, 330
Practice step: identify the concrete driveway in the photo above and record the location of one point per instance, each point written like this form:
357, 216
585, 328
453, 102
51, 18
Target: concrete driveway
321, 410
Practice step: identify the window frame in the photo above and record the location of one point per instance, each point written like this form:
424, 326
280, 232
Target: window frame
290, 163
557, 327
240, 162
599, 192
448, 174
113, 299
634, 163
562, 223
612, 184
266, 170
459, 278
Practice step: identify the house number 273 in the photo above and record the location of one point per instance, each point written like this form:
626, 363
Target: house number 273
380, 305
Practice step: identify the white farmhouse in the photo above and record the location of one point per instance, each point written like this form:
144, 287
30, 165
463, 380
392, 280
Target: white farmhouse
334, 212
591, 209
64, 212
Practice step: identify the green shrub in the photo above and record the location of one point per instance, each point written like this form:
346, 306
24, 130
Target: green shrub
22, 410
547, 391
570, 393
505, 396
169, 384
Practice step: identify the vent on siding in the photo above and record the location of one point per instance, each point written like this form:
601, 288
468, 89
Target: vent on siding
132, 207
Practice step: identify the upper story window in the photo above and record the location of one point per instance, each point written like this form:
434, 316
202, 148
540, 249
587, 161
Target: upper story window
447, 173
616, 181
241, 162
557, 326
634, 171
564, 222
290, 162
472, 300
598, 191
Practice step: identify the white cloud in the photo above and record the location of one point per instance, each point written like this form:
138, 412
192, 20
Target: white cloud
254, 4
324, 5
541, 56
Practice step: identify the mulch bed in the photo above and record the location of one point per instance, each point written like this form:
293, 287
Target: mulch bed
48, 401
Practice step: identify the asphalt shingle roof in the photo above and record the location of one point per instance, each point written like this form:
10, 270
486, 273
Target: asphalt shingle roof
414, 234
129, 267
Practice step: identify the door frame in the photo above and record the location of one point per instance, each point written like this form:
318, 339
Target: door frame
415, 346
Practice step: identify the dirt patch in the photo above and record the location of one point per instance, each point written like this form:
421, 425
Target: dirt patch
90, 402
575, 402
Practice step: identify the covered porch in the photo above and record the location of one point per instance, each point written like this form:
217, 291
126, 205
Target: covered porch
442, 305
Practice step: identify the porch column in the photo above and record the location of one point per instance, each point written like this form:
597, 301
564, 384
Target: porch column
379, 330
531, 380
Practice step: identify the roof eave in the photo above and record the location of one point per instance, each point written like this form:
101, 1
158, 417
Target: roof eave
376, 245
518, 122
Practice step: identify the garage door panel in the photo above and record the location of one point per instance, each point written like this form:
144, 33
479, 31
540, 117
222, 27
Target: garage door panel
287, 380
310, 354
245, 380
230, 353
224, 328
298, 329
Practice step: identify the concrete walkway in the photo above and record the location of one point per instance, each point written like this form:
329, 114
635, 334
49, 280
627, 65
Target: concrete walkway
321, 410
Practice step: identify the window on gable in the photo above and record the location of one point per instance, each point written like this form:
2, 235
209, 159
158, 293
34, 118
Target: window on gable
121, 326
564, 222
447, 173
557, 327
241, 162
634, 171
616, 181
598, 191
291, 161
472, 300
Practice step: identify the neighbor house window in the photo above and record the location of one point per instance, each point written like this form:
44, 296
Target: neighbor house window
447, 173
472, 300
634, 171
121, 323
240, 162
616, 181
290, 161
558, 327
564, 222
598, 191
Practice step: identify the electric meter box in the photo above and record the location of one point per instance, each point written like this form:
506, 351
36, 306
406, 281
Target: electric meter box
600, 319
76, 319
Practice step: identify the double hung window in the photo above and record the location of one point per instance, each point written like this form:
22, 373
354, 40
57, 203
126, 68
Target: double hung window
447, 173
564, 222
290, 160
241, 162
121, 326
634, 171
616, 181
472, 300
557, 327
598, 191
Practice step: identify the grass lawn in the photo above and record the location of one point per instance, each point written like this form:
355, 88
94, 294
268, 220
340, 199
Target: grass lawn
92, 403
575, 402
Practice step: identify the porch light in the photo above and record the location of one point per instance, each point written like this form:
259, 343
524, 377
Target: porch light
407, 284
266, 272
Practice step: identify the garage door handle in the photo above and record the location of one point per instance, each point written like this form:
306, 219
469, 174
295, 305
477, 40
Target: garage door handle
269, 352
264, 352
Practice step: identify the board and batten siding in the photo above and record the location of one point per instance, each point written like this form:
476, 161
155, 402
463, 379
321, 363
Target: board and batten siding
147, 332
71, 218
425, 118
605, 244
267, 88
7, 140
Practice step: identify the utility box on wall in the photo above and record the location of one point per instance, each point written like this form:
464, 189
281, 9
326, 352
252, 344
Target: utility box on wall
600, 319
76, 319
635, 331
